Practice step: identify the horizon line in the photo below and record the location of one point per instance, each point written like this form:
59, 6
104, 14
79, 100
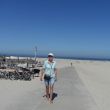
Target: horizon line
57, 56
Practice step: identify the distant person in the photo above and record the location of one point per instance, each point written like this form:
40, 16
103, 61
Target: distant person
49, 74
71, 64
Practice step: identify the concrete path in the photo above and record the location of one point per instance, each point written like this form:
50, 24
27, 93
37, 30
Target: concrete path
70, 94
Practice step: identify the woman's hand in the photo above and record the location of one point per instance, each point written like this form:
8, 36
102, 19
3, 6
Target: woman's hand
41, 79
41, 75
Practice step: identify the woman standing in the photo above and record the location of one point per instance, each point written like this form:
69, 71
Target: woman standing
49, 74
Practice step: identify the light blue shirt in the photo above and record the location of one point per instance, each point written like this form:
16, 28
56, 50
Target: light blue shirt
49, 68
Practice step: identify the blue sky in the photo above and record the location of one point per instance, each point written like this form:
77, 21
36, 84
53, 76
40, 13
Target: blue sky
64, 27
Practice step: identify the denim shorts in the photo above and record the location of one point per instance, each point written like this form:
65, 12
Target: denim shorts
50, 82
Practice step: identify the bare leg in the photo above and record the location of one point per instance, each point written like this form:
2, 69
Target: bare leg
47, 92
51, 93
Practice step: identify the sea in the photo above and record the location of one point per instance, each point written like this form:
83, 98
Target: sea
61, 57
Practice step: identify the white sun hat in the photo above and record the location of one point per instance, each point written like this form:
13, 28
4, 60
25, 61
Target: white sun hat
51, 54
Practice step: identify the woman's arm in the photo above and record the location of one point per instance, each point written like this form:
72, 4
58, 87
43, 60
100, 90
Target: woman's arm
41, 74
56, 72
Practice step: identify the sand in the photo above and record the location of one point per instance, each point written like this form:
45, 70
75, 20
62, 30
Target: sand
96, 77
15, 93
84, 86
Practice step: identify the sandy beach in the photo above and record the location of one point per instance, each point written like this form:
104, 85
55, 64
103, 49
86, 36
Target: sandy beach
96, 77
76, 33
84, 86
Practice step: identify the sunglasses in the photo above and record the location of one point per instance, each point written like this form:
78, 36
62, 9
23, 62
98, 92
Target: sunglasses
50, 56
